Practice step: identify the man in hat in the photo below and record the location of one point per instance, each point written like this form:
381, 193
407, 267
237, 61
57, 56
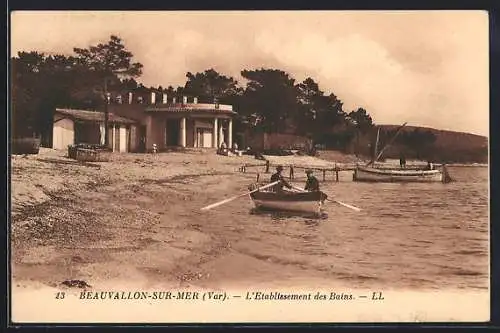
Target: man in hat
312, 183
279, 177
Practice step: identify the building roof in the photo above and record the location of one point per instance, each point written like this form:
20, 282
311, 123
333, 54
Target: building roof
87, 115
129, 111
193, 108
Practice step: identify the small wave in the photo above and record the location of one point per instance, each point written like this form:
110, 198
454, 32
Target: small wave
368, 227
419, 281
279, 216
394, 215
363, 277
451, 227
312, 223
423, 241
447, 270
466, 272
466, 252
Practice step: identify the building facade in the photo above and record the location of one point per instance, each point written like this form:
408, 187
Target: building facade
72, 126
137, 123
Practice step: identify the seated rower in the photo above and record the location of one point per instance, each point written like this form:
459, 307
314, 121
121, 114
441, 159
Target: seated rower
312, 183
279, 177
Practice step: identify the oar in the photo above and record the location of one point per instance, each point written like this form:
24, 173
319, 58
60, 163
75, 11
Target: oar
238, 196
336, 201
345, 205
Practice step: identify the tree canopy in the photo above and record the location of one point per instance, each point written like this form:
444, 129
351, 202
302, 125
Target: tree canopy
105, 63
211, 86
271, 100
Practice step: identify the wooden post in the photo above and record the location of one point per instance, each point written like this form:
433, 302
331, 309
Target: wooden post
267, 166
291, 172
258, 175
336, 174
324, 174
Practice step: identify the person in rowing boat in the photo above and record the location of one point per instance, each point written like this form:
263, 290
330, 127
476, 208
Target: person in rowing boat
312, 183
279, 177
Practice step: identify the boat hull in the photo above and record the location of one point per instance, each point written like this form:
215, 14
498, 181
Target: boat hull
309, 202
397, 175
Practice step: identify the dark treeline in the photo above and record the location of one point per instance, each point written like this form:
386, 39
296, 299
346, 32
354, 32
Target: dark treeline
414, 143
435, 145
271, 100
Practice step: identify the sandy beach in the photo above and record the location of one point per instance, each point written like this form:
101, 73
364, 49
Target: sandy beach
134, 223
68, 215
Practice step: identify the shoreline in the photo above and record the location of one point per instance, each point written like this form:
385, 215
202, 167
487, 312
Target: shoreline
135, 223
71, 221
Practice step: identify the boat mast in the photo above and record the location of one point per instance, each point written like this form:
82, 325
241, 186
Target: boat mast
387, 145
376, 146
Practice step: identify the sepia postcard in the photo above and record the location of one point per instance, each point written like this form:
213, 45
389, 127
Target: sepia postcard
249, 166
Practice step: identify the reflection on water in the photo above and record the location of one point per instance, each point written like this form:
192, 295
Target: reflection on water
407, 235
283, 215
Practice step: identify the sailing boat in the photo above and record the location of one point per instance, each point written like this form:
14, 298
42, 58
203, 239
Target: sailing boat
369, 173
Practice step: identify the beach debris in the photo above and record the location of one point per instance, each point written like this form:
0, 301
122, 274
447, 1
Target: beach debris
76, 284
191, 276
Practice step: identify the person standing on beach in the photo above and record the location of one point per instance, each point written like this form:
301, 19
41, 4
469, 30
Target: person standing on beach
312, 183
402, 161
279, 177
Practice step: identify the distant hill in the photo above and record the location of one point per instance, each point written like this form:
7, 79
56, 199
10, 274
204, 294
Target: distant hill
449, 146
445, 138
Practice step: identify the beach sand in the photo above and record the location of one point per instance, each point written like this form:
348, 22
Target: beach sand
134, 223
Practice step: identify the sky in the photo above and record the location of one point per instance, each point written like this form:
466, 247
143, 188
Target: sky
427, 68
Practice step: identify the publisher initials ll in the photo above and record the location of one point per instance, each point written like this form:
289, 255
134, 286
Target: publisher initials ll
377, 296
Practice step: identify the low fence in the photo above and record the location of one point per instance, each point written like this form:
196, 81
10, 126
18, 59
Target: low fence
276, 141
88, 153
334, 171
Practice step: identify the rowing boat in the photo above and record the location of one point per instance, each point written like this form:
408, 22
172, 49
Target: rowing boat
304, 202
370, 174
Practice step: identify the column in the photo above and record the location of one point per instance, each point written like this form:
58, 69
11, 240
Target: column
215, 142
149, 132
195, 139
122, 132
133, 138
183, 132
230, 134
221, 135
153, 97
165, 99
114, 137
101, 130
